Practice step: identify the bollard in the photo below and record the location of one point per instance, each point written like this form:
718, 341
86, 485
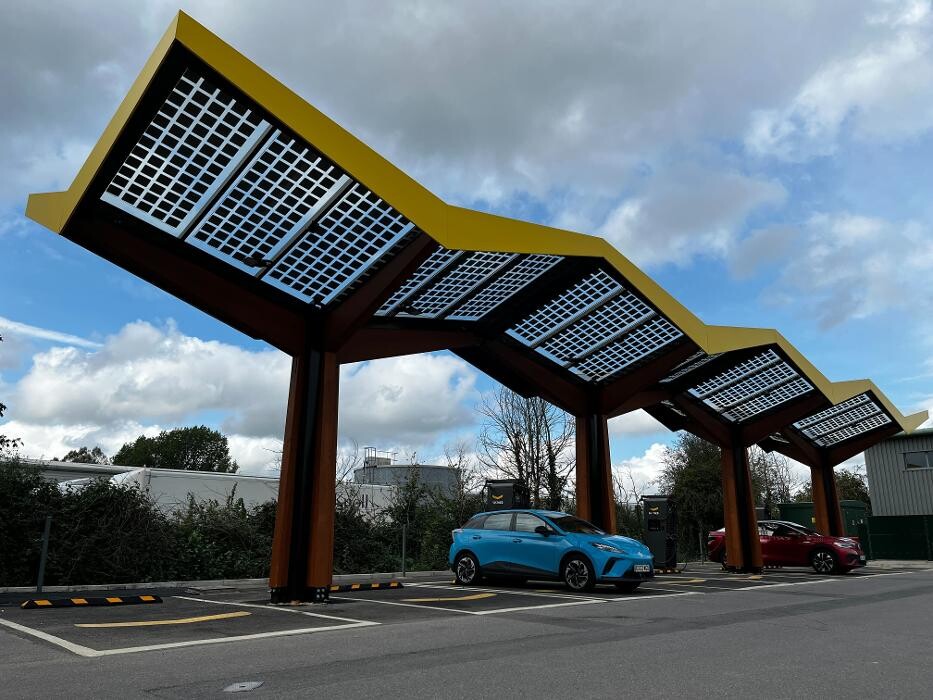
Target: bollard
45, 552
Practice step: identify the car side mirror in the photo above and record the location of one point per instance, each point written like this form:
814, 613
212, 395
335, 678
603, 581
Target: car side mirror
544, 530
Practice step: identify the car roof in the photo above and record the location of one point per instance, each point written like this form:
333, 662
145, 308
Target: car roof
533, 511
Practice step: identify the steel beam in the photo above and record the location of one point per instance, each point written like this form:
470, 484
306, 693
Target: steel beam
595, 496
303, 542
374, 343
220, 290
639, 387
354, 311
826, 509
743, 546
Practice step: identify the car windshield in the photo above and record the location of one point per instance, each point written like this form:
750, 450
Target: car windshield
569, 523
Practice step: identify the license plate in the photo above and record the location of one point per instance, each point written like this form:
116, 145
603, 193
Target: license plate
862, 559
642, 568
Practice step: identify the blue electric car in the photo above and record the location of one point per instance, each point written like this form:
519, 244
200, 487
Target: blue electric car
543, 544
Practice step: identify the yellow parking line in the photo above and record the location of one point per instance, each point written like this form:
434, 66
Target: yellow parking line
475, 596
181, 621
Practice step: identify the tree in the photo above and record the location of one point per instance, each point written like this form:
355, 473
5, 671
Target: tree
692, 474
773, 480
851, 485
7, 443
528, 439
629, 514
195, 449
85, 456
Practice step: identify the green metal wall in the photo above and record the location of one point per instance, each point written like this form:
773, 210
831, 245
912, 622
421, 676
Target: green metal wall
898, 537
853, 512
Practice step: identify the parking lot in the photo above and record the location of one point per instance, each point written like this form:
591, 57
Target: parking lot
388, 634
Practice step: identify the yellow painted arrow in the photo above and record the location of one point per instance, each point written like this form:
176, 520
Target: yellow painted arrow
180, 621
475, 596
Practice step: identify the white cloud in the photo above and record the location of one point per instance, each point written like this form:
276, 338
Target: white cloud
635, 423
878, 92
23, 330
145, 378
481, 100
687, 213
406, 398
849, 266
644, 470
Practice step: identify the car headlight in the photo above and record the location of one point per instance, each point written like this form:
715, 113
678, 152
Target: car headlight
846, 544
607, 548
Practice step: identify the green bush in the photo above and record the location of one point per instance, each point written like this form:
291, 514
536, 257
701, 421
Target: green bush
107, 533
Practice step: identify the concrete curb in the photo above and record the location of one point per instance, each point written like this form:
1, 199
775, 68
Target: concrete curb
899, 564
224, 583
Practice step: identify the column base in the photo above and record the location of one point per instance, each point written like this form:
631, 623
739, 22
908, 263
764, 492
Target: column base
287, 596
744, 569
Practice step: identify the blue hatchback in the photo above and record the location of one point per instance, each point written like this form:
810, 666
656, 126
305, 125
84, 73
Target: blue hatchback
544, 544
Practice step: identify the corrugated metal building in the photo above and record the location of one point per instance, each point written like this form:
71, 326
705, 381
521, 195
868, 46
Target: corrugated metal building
900, 474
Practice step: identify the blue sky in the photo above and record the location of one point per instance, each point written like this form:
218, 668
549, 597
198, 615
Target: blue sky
768, 165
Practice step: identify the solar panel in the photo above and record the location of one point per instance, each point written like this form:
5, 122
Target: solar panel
597, 328
270, 203
736, 374
352, 236
841, 420
832, 411
637, 345
469, 273
750, 386
769, 400
528, 270
197, 139
876, 421
566, 308
695, 361
436, 262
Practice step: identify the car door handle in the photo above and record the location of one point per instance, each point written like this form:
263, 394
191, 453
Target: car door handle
516, 539
477, 537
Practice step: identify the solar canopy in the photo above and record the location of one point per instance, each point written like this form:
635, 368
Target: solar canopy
217, 183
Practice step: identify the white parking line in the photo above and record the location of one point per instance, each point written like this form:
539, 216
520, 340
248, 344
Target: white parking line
88, 652
278, 608
402, 605
93, 653
509, 591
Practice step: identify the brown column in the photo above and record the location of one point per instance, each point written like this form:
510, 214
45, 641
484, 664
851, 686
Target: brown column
303, 543
827, 513
595, 498
743, 548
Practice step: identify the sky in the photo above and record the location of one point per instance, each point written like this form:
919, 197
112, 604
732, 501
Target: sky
767, 163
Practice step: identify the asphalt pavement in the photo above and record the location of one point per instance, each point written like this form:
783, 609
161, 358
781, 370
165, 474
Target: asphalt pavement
703, 632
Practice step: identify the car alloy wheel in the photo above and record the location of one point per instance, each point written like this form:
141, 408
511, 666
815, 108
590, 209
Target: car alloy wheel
577, 574
823, 561
466, 569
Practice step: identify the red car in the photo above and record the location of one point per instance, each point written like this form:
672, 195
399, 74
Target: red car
789, 544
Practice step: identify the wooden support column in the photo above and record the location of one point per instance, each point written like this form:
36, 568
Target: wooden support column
827, 512
595, 499
303, 544
743, 547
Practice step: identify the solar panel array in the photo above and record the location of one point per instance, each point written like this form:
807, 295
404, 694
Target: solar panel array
752, 387
597, 328
847, 420
211, 170
214, 171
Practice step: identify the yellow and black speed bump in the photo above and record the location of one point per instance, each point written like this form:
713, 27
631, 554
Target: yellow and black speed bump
373, 586
40, 603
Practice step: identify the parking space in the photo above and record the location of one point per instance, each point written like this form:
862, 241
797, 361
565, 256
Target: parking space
193, 619
178, 621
